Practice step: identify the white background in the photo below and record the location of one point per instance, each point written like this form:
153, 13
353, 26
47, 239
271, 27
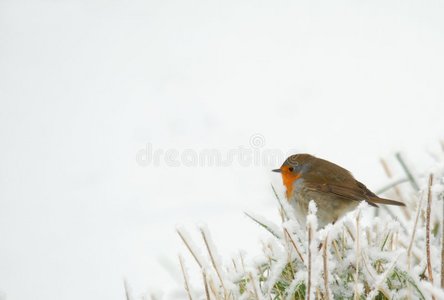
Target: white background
85, 85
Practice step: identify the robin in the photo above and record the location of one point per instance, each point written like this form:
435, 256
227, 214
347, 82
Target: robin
333, 188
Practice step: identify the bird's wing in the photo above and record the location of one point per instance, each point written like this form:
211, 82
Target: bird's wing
355, 192
349, 192
341, 183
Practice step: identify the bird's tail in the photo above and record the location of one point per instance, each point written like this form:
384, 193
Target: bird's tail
385, 201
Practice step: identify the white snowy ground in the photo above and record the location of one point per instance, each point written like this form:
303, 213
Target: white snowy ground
85, 85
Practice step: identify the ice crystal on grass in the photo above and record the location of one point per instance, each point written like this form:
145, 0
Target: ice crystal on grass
397, 254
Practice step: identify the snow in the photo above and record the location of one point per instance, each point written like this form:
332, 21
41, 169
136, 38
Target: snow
433, 290
86, 85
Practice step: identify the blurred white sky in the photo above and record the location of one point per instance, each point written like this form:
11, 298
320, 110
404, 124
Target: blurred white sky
84, 85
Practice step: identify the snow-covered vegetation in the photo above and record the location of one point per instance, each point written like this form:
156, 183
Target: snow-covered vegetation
384, 253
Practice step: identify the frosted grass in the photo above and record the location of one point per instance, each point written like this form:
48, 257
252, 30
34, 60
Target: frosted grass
395, 255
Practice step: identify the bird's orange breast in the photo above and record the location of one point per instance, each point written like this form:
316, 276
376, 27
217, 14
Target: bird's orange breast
289, 178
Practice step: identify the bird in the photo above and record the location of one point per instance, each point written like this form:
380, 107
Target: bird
333, 188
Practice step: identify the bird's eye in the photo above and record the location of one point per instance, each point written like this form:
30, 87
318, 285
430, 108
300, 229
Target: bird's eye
291, 169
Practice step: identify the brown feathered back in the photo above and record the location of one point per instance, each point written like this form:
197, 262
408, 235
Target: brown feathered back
323, 176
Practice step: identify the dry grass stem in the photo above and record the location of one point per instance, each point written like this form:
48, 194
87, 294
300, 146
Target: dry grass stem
310, 234
358, 252
214, 289
442, 246
253, 283
207, 292
294, 244
409, 249
185, 278
213, 262
429, 208
325, 263
282, 211
398, 193
184, 240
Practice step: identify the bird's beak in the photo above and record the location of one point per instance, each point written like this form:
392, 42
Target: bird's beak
276, 170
